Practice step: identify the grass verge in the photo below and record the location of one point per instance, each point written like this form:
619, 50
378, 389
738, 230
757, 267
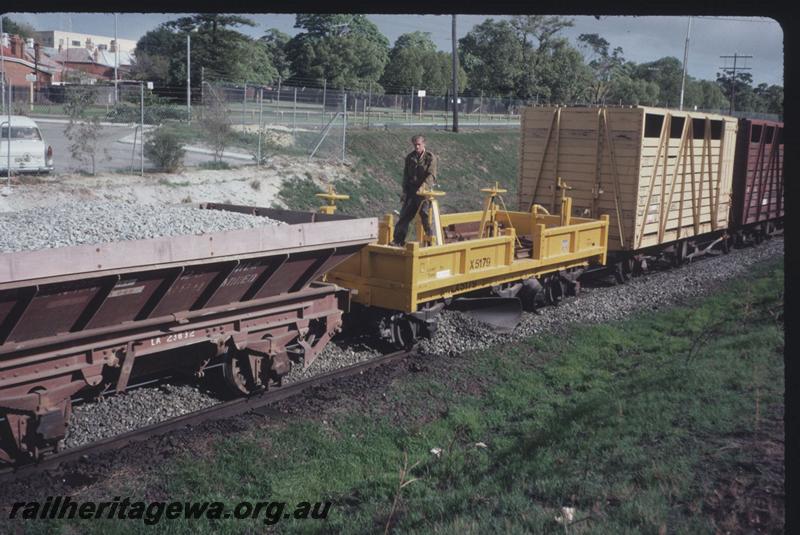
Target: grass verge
640, 426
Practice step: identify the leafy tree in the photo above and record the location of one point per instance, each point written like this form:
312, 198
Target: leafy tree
771, 98
667, 73
415, 62
627, 89
216, 125
542, 29
491, 54
274, 42
738, 89
347, 50
216, 45
605, 66
23, 29
152, 67
83, 131
562, 76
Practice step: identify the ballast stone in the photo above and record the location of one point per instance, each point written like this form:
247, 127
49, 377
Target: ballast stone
97, 222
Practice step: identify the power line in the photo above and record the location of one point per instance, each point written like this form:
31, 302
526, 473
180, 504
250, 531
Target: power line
732, 70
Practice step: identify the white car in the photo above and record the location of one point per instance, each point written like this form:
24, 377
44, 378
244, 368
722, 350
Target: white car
29, 152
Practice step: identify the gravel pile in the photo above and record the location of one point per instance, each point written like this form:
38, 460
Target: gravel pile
458, 332
85, 223
335, 355
137, 408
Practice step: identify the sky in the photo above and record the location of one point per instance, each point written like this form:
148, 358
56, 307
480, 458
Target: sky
642, 39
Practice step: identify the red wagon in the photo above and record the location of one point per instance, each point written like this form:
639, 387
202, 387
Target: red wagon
757, 197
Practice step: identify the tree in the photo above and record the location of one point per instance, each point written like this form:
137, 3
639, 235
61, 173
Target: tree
415, 62
216, 124
274, 42
22, 29
542, 29
347, 50
705, 95
83, 131
771, 98
667, 73
224, 52
605, 66
738, 89
562, 76
491, 55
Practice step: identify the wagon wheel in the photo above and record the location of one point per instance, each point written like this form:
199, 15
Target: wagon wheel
237, 373
681, 249
404, 332
726, 244
619, 272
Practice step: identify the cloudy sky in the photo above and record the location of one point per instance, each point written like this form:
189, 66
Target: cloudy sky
641, 38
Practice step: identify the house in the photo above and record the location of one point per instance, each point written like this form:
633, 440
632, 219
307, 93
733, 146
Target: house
63, 40
22, 57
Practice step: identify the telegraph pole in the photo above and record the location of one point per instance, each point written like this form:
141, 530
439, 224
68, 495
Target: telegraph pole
732, 71
455, 78
685, 60
116, 62
3, 75
188, 76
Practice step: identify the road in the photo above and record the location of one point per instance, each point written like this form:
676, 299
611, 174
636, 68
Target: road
114, 150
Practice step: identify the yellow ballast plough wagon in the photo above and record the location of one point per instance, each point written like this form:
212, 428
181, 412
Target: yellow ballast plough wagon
505, 261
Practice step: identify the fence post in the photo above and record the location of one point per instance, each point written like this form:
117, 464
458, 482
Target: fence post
369, 104
244, 105
278, 103
344, 127
324, 88
294, 112
141, 144
260, 121
411, 106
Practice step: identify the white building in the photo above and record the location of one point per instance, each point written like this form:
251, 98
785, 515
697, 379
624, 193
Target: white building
63, 40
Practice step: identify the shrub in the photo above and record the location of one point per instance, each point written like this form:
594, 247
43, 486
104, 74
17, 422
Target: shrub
164, 149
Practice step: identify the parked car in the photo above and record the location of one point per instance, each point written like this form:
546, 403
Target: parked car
29, 152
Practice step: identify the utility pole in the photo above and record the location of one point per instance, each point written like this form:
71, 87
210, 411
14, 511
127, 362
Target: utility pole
3, 76
685, 60
116, 62
455, 78
188, 76
733, 70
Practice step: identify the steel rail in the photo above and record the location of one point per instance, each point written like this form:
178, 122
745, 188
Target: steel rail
223, 410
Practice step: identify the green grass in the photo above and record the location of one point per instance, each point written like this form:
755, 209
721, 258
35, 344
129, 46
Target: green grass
626, 422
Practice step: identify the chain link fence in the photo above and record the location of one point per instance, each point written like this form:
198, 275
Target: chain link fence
232, 124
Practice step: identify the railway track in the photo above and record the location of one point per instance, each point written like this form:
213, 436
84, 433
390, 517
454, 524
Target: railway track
227, 409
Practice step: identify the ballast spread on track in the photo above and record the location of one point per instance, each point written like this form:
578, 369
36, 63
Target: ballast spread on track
88, 318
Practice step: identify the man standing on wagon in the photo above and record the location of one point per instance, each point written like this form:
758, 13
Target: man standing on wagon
420, 169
